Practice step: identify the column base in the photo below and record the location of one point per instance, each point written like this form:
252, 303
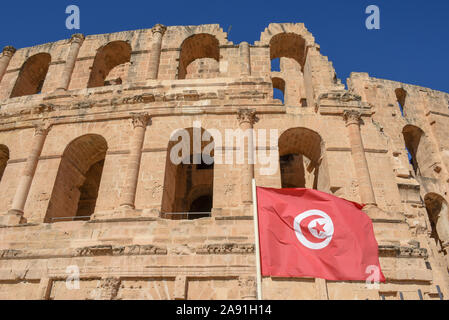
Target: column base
126, 207
12, 218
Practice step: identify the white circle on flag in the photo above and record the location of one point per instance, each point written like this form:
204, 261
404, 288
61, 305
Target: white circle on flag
321, 228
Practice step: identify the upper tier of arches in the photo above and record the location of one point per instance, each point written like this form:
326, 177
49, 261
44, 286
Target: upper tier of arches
189, 52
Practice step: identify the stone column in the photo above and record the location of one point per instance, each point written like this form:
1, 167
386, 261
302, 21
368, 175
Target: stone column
128, 194
245, 58
75, 45
21, 195
6, 56
155, 53
353, 120
247, 118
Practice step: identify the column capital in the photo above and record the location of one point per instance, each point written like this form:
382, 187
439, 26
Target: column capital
9, 51
77, 38
140, 119
42, 129
247, 116
352, 117
248, 288
159, 28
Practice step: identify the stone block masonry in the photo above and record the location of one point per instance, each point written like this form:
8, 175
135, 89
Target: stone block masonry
86, 179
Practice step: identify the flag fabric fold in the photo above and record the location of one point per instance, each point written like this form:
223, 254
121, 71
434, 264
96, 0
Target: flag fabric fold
308, 233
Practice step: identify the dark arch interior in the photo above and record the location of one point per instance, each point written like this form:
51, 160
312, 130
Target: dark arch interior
188, 186
199, 46
435, 205
32, 75
288, 45
300, 153
108, 57
78, 180
203, 205
401, 96
4, 158
278, 89
412, 138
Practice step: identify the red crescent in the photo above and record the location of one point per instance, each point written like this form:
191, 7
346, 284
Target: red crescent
305, 229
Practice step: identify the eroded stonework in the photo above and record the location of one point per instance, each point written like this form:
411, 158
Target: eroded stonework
86, 180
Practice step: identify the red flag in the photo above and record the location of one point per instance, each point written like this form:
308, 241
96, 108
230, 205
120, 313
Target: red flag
308, 233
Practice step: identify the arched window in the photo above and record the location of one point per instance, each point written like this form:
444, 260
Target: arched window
401, 96
300, 154
4, 157
278, 89
110, 65
78, 180
438, 211
199, 58
412, 137
288, 45
32, 75
288, 55
188, 186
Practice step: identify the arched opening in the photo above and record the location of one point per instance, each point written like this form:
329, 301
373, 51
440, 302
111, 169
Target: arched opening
438, 211
300, 154
110, 65
278, 89
4, 158
201, 204
32, 75
77, 183
412, 137
189, 177
288, 55
401, 96
199, 58
288, 45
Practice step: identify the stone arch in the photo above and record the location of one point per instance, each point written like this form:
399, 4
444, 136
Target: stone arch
274, 29
77, 183
412, 138
300, 151
115, 56
288, 45
4, 158
203, 50
438, 211
278, 83
401, 96
32, 75
420, 149
190, 179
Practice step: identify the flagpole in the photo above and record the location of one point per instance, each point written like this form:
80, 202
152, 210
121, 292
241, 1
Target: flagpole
257, 245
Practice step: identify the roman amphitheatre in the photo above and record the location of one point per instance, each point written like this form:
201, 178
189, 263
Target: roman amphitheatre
86, 181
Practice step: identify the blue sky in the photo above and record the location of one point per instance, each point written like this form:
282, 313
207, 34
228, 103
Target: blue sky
412, 45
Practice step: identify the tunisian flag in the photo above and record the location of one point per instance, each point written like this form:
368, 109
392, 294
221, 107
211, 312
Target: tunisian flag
308, 233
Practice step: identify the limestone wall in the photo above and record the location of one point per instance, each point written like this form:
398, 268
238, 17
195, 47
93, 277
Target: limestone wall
112, 102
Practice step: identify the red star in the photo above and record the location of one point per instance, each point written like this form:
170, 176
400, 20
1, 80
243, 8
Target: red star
319, 228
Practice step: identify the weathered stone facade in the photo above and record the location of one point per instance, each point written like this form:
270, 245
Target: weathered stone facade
86, 181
